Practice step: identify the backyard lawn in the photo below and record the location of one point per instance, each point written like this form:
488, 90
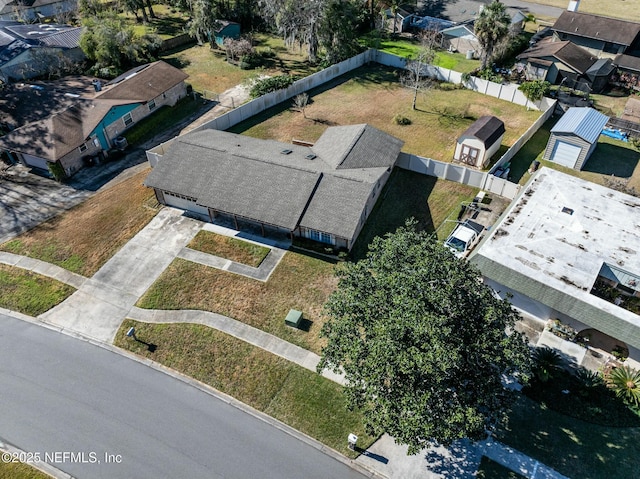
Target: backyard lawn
83, 238
209, 71
30, 293
229, 248
611, 157
300, 398
374, 95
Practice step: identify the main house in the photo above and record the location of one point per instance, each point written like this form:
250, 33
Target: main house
323, 192
85, 131
568, 249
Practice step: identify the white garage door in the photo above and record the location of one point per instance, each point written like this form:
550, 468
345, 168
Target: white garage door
36, 162
565, 154
184, 204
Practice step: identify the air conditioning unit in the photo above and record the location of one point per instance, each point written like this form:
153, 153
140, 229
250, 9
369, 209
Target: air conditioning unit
120, 142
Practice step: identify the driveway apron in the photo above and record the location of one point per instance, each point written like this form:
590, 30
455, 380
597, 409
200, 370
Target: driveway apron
103, 301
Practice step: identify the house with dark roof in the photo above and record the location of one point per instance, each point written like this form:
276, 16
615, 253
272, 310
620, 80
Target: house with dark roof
31, 50
29, 11
480, 141
323, 192
567, 249
600, 36
554, 60
575, 137
86, 130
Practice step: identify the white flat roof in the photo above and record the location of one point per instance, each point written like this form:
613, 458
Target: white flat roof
562, 229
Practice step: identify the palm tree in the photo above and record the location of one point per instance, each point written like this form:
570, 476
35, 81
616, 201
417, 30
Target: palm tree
547, 363
491, 27
625, 382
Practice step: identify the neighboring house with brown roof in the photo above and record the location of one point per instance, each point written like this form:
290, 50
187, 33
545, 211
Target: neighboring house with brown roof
87, 130
553, 60
601, 36
480, 141
32, 50
323, 193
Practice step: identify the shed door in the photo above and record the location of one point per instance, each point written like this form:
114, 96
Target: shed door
565, 154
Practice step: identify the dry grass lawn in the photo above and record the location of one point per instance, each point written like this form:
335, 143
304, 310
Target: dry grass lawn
373, 95
229, 248
85, 237
299, 282
624, 9
300, 398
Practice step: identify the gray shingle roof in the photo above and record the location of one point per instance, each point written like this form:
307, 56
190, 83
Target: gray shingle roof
594, 26
568, 53
357, 146
250, 177
144, 83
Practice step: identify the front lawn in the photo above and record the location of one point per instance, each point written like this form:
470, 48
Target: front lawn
83, 238
18, 470
373, 95
300, 398
299, 282
28, 292
230, 248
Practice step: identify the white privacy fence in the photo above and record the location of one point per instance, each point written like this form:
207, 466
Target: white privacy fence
459, 173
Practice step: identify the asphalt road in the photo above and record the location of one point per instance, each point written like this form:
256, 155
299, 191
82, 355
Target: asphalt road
82, 405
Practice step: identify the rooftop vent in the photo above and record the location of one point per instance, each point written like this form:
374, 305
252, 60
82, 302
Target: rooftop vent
566, 210
286, 152
311, 157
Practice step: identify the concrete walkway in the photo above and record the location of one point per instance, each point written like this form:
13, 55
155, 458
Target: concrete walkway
43, 268
102, 302
516, 461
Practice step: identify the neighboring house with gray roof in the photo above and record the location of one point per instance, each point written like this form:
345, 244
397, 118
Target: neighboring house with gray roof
34, 10
568, 249
84, 131
601, 36
32, 50
324, 192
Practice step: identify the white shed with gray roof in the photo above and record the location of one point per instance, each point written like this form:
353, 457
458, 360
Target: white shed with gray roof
574, 137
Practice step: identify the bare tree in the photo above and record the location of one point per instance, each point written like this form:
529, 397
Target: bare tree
300, 102
415, 76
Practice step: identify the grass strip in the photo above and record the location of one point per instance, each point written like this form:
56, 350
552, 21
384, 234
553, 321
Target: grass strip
28, 292
229, 248
300, 398
18, 470
299, 282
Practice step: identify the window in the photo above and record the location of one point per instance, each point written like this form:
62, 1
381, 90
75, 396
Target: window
152, 105
127, 119
320, 236
96, 142
83, 147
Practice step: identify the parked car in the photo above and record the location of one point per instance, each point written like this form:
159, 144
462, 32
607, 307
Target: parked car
464, 237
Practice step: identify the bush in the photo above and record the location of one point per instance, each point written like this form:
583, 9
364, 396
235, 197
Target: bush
401, 120
448, 86
267, 85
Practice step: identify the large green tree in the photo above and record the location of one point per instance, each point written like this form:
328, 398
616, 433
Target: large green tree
491, 27
422, 343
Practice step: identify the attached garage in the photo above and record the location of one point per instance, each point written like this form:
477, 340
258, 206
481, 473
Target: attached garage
575, 137
35, 162
184, 203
